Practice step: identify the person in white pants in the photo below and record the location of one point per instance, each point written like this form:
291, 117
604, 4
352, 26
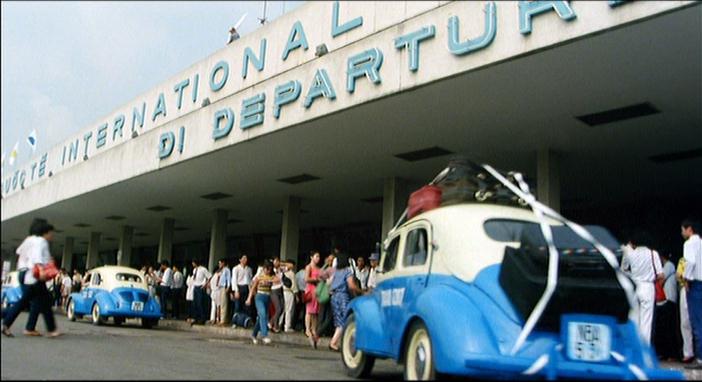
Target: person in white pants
289, 296
644, 266
685, 327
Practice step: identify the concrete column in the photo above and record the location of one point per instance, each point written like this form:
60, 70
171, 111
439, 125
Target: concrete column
67, 259
165, 244
290, 239
548, 179
93, 251
395, 194
124, 255
218, 237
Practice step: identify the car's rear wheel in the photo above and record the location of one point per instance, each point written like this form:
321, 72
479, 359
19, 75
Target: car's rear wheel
357, 363
419, 354
71, 310
148, 323
98, 318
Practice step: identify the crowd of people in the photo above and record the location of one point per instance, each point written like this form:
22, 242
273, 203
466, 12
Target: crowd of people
276, 297
669, 297
314, 299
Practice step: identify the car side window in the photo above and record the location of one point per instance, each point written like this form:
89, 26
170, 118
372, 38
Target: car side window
391, 255
415, 248
96, 279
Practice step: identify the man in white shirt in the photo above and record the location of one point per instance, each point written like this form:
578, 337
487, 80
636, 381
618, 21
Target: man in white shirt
241, 279
177, 291
643, 265
373, 272
692, 252
362, 272
200, 277
225, 282
165, 281
34, 250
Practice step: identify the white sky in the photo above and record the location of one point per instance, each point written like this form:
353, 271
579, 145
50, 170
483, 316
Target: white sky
66, 64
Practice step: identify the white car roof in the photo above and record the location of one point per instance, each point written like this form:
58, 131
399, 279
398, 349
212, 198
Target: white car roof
108, 273
463, 246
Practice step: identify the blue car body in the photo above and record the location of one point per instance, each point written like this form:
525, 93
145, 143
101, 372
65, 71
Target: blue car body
116, 292
11, 290
116, 303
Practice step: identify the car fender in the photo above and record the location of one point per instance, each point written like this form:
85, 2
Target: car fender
79, 303
370, 336
13, 295
456, 325
105, 301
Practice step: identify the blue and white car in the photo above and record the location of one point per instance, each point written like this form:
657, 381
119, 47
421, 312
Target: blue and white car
450, 300
116, 292
11, 290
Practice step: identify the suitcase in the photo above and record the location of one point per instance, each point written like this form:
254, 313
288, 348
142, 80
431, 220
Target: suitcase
586, 282
242, 320
425, 199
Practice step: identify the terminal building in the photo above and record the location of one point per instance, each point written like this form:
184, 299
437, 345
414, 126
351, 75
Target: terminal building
311, 132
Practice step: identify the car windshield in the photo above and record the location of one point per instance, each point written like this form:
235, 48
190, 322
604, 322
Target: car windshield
128, 277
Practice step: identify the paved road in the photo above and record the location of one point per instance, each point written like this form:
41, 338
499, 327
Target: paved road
88, 352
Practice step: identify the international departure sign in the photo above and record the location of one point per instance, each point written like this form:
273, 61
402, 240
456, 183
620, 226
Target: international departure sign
246, 68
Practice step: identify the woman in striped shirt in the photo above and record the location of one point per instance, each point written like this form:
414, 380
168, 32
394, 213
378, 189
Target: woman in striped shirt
262, 290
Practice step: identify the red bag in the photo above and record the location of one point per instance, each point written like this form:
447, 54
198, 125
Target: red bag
308, 296
50, 271
660, 292
425, 199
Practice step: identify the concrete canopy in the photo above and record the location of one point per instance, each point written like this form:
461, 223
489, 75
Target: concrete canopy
500, 114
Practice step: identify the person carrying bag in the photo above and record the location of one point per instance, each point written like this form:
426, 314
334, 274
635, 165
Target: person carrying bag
660, 292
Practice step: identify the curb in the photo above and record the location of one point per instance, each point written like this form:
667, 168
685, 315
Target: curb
296, 338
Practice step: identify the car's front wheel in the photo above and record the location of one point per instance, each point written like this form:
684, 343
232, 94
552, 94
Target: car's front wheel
98, 318
419, 354
71, 310
357, 363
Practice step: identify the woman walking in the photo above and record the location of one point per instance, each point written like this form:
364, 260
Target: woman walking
343, 288
312, 273
34, 251
261, 288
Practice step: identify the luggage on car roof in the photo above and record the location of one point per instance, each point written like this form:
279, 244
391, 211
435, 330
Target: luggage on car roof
586, 282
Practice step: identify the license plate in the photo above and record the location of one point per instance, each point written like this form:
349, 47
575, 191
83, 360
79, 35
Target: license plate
589, 342
137, 306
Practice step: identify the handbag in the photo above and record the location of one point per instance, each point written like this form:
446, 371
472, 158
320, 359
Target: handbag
322, 291
660, 292
308, 296
50, 270
286, 281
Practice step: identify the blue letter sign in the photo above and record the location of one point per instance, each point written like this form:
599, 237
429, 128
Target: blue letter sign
364, 64
460, 48
527, 9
